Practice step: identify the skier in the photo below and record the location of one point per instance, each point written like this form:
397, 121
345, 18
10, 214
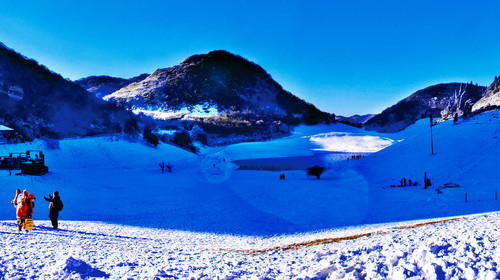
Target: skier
55, 206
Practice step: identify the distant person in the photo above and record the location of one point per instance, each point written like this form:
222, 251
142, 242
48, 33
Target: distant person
55, 206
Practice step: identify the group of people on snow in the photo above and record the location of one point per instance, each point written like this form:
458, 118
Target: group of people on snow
408, 182
356, 157
24, 204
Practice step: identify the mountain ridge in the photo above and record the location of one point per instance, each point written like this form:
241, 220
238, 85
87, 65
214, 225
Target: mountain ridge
103, 85
442, 101
38, 102
233, 94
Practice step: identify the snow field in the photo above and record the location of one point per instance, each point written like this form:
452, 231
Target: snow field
207, 220
461, 248
113, 180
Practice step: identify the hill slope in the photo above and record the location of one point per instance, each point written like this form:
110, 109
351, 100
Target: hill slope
491, 98
37, 102
442, 101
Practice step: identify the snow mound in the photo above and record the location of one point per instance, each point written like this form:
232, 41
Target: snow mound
81, 268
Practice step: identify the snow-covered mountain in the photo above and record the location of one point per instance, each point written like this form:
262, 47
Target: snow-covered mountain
442, 101
37, 102
218, 81
105, 85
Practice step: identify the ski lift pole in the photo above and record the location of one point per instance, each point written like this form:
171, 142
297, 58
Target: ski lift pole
432, 144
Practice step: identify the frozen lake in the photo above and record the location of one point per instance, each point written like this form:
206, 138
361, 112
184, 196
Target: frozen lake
296, 162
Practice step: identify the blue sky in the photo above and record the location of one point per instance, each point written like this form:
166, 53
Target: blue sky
345, 57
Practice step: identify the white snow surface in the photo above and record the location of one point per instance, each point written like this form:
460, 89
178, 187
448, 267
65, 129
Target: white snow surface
346, 142
197, 111
465, 248
123, 218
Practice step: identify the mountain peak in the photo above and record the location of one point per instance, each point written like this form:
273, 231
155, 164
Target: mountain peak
222, 80
216, 55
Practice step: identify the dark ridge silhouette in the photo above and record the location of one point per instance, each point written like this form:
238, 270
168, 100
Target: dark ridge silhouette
37, 102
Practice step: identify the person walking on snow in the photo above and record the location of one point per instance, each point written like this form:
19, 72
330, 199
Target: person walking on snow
55, 206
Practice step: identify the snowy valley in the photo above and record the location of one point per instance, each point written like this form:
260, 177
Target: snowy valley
207, 219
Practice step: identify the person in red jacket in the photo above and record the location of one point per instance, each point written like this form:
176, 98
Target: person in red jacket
25, 208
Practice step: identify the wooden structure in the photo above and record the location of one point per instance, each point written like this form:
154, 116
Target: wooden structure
30, 163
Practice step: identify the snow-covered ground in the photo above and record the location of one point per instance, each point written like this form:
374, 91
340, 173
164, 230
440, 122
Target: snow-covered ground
124, 218
456, 248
